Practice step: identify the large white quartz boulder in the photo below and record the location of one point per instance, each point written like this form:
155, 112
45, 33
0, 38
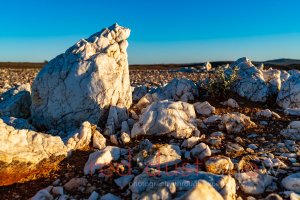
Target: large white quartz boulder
289, 95
16, 102
169, 118
23, 147
149, 183
80, 84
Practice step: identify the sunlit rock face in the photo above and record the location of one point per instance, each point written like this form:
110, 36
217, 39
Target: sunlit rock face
80, 84
289, 95
25, 152
256, 84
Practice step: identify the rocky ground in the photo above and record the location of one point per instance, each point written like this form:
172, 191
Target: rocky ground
258, 146
89, 128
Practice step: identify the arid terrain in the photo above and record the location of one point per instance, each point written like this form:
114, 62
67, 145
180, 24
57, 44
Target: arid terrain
88, 126
266, 137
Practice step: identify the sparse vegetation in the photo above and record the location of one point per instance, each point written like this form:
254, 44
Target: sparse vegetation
220, 82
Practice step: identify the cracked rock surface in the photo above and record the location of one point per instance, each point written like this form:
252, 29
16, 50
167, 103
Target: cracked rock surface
80, 84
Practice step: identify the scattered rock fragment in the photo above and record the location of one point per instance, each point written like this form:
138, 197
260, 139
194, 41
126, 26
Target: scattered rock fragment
139, 92
110, 196
219, 165
204, 108
292, 131
191, 142
201, 151
75, 183
178, 90
292, 182
204, 190
81, 138
253, 182
125, 137
169, 118
159, 156
101, 158
231, 103
184, 182
99, 141
236, 122
123, 181
43, 194
267, 114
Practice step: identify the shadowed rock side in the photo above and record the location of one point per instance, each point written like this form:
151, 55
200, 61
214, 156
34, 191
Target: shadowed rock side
82, 83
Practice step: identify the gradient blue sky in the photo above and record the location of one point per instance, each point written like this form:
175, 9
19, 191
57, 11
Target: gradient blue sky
163, 31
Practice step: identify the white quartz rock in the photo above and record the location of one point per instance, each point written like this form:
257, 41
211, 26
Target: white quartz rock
204, 108
94, 196
125, 137
292, 111
201, 151
191, 142
123, 181
16, 102
231, 103
219, 165
145, 101
110, 196
166, 118
159, 156
292, 182
236, 122
81, 138
82, 83
289, 94
202, 190
22, 147
43, 194
251, 83
184, 181
115, 119
139, 92
253, 182
101, 158
99, 141
267, 113
178, 90
292, 131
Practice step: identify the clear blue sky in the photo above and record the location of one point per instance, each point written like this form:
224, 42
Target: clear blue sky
163, 31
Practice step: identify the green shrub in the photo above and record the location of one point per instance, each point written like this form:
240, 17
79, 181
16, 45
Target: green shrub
220, 82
